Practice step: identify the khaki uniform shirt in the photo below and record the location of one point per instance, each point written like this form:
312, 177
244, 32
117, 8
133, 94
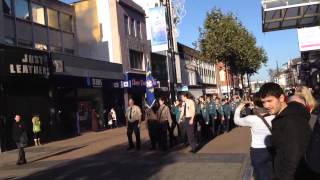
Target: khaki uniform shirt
189, 108
133, 113
150, 115
164, 114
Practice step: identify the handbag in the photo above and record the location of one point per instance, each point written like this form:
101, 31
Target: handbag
24, 139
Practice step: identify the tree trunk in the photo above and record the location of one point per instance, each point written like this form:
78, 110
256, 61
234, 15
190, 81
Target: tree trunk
249, 87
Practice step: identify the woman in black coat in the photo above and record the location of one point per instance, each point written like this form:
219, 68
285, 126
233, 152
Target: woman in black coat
19, 136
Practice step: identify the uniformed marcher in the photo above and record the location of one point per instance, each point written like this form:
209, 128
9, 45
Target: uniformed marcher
205, 128
164, 118
153, 125
211, 106
227, 115
189, 119
219, 122
133, 117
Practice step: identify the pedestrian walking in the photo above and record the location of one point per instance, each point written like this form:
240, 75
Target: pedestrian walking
181, 123
94, 120
164, 118
153, 125
189, 119
290, 133
133, 117
227, 110
311, 102
36, 128
114, 120
260, 126
211, 106
20, 137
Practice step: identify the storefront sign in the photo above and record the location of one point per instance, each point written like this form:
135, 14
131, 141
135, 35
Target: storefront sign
96, 83
31, 64
58, 66
309, 38
211, 91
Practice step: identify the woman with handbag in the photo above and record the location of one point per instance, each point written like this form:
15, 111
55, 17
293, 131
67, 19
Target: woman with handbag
260, 125
20, 137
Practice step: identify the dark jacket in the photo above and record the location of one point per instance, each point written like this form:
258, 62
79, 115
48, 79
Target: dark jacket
17, 129
290, 137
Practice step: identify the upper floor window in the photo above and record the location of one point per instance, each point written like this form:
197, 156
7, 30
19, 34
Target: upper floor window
126, 24
53, 20
38, 14
66, 22
138, 31
22, 9
7, 7
136, 60
132, 27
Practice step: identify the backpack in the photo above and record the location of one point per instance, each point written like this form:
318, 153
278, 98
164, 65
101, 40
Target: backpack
313, 151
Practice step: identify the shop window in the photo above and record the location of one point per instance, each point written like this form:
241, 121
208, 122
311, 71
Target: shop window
136, 60
66, 22
40, 46
55, 49
22, 9
69, 51
126, 24
7, 7
38, 14
53, 18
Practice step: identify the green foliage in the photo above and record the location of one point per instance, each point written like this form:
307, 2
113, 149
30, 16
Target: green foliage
224, 38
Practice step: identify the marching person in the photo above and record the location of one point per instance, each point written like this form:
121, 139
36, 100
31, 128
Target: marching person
164, 118
205, 127
220, 120
133, 118
19, 134
213, 115
153, 125
260, 126
36, 128
227, 111
189, 119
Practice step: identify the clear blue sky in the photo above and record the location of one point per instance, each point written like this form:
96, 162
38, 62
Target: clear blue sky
280, 45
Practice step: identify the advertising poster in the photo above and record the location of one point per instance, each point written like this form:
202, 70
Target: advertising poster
159, 39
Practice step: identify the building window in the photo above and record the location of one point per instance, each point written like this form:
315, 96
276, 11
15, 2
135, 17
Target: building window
7, 7
9, 40
126, 24
132, 32
66, 22
139, 34
22, 9
136, 59
38, 14
55, 49
53, 18
40, 46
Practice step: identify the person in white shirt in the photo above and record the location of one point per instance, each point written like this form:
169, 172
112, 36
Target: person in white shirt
260, 125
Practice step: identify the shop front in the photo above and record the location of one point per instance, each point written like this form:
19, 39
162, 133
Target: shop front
85, 93
25, 90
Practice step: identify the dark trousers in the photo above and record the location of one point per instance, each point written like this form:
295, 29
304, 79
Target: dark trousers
190, 133
213, 126
261, 160
226, 124
172, 137
153, 128
133, 127
21, 154
182, 133
164, 135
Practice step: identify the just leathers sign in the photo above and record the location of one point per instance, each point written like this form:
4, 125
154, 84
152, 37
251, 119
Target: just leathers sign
27, 63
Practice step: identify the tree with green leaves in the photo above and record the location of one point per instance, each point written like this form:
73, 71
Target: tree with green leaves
224, 39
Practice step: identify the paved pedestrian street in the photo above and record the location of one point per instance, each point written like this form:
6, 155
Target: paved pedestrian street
105, 157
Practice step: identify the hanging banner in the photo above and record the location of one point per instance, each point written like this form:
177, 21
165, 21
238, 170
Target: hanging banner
159, 36
309, 38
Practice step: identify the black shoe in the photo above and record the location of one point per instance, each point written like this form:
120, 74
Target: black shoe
130, 148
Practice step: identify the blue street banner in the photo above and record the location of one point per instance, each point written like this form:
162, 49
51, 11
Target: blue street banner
158, 25
150, 99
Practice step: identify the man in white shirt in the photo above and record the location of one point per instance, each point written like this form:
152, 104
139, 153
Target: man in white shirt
261, 157
133, 116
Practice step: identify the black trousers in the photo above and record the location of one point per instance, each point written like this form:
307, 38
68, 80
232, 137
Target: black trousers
226, 124
261, 160
213, 125
133, 127
172, 138
182, 133
154, 128
190, 133
21, 154
164, 135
